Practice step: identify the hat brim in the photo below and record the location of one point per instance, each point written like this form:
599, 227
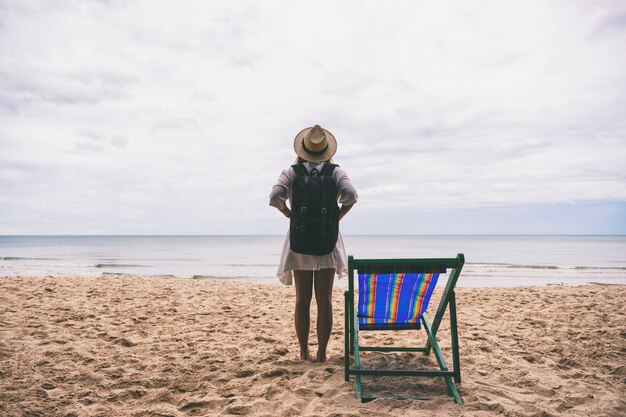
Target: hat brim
302, 153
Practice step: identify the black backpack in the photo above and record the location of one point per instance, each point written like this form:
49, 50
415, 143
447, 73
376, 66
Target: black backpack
314, 219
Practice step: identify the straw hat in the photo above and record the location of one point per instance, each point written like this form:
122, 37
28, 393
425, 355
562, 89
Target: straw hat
315, 144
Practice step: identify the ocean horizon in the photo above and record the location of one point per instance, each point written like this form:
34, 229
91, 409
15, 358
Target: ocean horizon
491, 260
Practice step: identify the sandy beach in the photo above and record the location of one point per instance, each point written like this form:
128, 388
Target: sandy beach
129, 346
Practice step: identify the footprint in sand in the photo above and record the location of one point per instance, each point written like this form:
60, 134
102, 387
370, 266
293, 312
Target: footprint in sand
125, 342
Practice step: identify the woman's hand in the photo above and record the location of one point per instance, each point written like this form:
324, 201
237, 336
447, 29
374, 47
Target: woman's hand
344, 210
285, 211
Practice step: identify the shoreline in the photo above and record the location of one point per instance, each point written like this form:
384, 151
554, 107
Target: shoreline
179, 347
468, 279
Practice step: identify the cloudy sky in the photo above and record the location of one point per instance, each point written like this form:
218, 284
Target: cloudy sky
163, 117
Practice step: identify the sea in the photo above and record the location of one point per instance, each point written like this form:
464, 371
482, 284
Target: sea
491, 261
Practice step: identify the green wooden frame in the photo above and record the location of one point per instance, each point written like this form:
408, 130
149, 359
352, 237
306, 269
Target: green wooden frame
447, 302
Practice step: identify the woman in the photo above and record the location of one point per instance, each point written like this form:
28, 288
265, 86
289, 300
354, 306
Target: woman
314, 147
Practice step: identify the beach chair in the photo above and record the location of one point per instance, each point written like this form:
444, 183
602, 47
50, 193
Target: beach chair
394, 295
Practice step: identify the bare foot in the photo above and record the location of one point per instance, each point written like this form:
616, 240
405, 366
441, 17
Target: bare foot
323, 357
303, 356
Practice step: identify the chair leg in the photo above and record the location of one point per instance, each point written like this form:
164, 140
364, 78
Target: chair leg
352, 324
357, 362
347, 338
440, 360
456, 363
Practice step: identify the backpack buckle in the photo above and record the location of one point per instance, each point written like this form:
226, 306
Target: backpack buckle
303, 210
324, 211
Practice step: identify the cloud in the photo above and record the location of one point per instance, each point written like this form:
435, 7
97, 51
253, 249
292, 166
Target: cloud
98, 139
144, 115
23, 88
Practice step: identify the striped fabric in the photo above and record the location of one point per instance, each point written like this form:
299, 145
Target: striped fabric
393, 301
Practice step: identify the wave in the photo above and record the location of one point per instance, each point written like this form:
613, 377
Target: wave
619, 268
548, 267
19, 258
123, 274
534, 266
118, 266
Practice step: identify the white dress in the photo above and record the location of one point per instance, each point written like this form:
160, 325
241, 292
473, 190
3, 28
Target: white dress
290, 260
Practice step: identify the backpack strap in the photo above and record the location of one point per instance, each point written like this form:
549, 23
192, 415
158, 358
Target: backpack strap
301, 171
327, 171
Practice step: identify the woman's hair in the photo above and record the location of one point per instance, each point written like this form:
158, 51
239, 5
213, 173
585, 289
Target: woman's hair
300, 160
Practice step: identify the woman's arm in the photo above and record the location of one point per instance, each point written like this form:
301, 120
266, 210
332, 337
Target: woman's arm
345, 208
346, 192
285, 211
280, 192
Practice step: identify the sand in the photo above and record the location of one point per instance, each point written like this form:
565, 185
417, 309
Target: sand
129, 346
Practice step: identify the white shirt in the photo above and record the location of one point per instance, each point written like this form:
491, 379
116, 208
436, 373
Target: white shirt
290, 260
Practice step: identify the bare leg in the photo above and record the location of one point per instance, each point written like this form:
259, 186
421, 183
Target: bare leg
302, 318
324, 279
